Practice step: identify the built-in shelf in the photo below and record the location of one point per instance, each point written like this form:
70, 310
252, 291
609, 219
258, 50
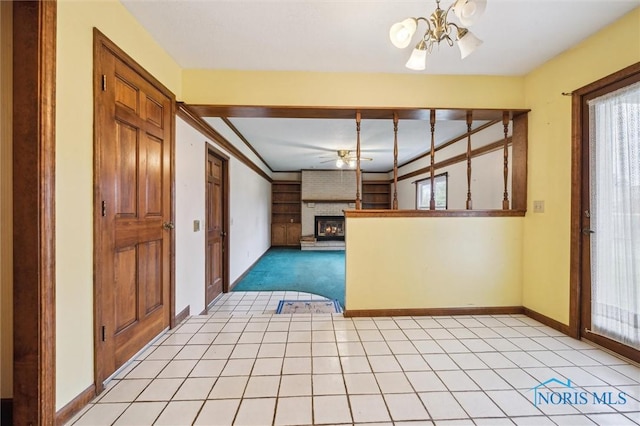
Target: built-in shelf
285, 213
376, 195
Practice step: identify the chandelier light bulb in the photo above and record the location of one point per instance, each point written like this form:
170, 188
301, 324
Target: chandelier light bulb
401, 32
467, 42
339, 163
418, 59
469, 11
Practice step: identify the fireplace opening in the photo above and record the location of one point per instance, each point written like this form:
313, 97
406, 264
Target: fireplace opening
329, 228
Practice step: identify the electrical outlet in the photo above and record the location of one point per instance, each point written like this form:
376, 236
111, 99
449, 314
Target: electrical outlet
538, 206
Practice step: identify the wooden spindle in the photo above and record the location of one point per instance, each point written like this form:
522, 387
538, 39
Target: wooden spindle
469, 123
432, 200
505, 123
395, 161
358, 201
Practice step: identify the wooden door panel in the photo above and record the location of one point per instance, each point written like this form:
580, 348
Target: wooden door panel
125, 295
210, 222
154, 112
151, 172
278, 234
217, 266
125, 169
294, 232
127, 95
150, 275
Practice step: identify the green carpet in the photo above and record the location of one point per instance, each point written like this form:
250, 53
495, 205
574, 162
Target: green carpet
317, 272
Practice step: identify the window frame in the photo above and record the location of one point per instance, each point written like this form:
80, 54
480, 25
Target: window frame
436, 180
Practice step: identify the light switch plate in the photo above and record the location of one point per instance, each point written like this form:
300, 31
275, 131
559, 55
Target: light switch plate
538, 206
196, 225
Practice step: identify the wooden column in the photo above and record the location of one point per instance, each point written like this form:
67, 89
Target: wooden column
519, 142
358, 172
34, 76
469, 123
505, 123
432, 121
395, 161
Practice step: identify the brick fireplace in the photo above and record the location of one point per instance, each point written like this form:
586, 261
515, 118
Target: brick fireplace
326, 193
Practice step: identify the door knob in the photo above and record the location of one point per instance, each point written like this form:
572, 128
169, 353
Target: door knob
223, 234
168, 226
587, 231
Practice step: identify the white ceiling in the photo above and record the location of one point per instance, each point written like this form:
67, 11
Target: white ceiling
292, 144
352, 36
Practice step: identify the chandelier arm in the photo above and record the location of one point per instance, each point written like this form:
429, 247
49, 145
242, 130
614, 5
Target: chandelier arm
428, 31
458, 29
446, 15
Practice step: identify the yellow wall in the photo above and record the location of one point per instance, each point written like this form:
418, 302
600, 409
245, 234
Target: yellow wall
6, 214
547, 235
74, 172
351, 89
432, 262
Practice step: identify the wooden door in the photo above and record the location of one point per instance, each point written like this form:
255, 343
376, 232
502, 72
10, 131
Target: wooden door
278, 234
294, 232
133, 228
215, 229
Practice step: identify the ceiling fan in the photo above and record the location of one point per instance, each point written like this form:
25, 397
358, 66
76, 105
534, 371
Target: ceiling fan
345, 158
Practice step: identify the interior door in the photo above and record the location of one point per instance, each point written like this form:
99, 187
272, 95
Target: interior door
133, 229
215, 228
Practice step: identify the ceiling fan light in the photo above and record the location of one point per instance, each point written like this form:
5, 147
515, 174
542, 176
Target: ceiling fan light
469, 11
339, 163
467, 42
400, 33
418, 59
352, 163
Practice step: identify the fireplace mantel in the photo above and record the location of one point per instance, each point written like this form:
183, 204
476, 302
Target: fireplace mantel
313, 200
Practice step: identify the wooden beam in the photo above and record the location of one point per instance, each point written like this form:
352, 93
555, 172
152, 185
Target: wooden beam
187, 114
519, 148
494, 146
469, 203
277, 111
452, 141
358, 171
395, 161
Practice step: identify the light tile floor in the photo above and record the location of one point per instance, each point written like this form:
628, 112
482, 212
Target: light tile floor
244, 365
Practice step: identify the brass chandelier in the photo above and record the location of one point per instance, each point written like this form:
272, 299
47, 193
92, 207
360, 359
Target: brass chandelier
439, 28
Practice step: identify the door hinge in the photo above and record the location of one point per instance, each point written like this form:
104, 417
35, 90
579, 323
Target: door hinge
104, 82
104, 333
104, 208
